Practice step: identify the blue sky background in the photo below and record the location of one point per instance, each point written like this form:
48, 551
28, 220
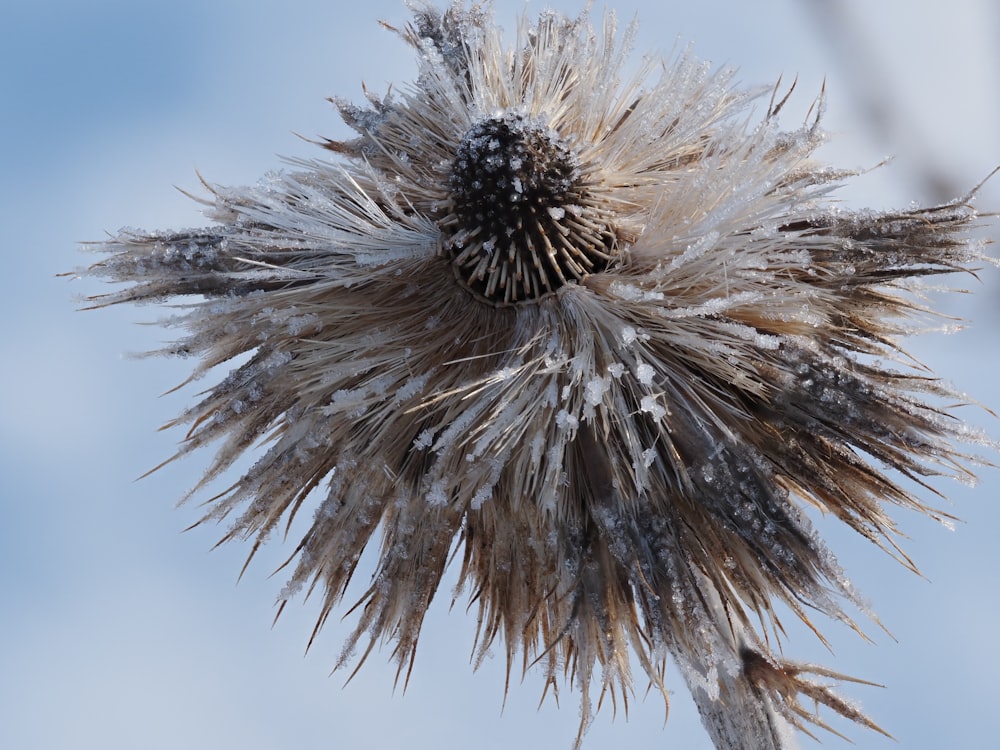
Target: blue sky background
119, 631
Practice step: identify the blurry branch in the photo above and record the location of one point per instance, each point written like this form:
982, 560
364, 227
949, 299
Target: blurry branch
878, 100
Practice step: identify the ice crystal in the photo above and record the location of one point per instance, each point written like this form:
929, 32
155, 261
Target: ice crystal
598, 330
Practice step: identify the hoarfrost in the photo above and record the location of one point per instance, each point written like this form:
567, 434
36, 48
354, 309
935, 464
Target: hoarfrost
630, 335
551, 397
566, 420
651, 406
436, 495
537, 446
482, 495
595, 390
410, 388
645, 373
633, 293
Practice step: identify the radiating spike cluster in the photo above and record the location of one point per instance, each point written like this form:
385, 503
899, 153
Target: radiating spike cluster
522, 223
598, 331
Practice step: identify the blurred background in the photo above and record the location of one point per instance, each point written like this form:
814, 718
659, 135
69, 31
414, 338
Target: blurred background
119, 631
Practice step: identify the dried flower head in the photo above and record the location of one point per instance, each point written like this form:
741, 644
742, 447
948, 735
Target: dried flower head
594, 333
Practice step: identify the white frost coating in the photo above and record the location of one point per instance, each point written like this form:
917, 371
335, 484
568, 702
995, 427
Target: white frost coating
537, 447
651, 406
299, 323
594, 390
566, 420
633, 293
411, 387
424, 440
436, 495
644, 373
765, 341
345, 399
480, 497
551, 397
629, 335
717, 305
458, 428
695, 250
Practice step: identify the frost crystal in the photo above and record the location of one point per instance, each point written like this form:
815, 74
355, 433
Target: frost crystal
598, 330
644, 373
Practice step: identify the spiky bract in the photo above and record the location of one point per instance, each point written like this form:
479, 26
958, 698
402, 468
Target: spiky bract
598, 332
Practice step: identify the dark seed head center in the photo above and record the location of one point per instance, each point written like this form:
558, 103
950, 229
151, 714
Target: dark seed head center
521, 221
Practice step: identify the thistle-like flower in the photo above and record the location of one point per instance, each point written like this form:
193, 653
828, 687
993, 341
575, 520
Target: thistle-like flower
594, 333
